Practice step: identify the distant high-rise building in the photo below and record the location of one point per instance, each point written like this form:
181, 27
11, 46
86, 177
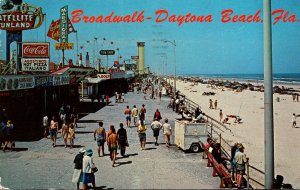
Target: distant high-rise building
141, 54
87, 60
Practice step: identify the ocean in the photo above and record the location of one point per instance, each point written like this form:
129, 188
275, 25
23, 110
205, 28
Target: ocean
286, 78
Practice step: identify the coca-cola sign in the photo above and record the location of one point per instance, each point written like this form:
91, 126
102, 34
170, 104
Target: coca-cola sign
35, 49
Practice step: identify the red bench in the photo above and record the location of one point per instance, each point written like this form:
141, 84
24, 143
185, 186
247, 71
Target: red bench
219, 170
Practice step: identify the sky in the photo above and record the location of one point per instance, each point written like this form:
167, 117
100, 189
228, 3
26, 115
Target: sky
201, 47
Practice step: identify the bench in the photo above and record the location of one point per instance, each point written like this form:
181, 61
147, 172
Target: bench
219, 170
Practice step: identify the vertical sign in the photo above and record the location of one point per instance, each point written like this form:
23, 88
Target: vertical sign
64, 24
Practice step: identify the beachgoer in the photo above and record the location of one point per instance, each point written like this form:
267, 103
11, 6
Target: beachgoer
62, 113
177, 102
200, 118
112, 141
45, 126
157, 115
107, 99
211, 104
78, 161
225, 121
234, 150
209, 145
135, 113
294, 97
216, 104
87, 165
294, 120
111, 127
74, 117
123, 97
127, 113
7, 131
122, 139
241, 161
142, 113
53, 130
172, 102
221, 115
142, 128
71, 134
116, 97
197, 112
167, 132
218, 155
65, 132
156, 126
159, 94
100, 137
238, 119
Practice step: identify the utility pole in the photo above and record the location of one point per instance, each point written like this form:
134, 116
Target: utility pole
268, 97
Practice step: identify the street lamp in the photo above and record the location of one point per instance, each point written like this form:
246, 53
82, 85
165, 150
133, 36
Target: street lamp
111, 42
174, 44
94, 54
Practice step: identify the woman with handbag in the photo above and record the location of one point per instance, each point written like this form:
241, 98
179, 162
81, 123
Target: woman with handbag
88, 167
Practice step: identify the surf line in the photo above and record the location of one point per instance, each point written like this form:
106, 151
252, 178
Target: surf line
162, 15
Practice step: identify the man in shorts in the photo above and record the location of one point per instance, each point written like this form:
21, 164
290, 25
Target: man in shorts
135, 113
156, 126
53, 130
127, 113
100, 137
241, 161
113, 145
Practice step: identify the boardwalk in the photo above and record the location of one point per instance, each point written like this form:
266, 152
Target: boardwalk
36, 165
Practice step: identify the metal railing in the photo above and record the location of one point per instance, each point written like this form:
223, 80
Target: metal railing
216, 130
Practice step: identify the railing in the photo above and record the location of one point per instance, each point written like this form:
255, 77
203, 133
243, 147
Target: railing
226, 147
254, 175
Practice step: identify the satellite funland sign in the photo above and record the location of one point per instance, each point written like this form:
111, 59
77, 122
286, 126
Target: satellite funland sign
21, 20
15, 17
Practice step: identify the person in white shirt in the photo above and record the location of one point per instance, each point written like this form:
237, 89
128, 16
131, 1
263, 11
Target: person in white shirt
135, 114
156, 126
167, 132
87, 165
45, 126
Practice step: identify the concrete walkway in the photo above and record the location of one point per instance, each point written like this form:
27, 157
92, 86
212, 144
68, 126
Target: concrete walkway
36, 165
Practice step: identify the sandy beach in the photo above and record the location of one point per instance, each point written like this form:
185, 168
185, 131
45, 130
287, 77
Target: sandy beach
249, 105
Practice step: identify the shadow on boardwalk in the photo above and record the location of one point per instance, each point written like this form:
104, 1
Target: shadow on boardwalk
28, 131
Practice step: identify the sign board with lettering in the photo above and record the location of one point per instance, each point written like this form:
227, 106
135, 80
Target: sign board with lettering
107, 52
134, 57
15, 21
59, 46
103, 76
43, 81
33, 49
61, 80
54, 29
35, 64
16, 82
64, 24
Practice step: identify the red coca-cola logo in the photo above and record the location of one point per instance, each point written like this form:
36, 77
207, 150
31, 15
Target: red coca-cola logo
35, 49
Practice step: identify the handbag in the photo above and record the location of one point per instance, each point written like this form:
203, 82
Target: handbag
127, 144
94, 170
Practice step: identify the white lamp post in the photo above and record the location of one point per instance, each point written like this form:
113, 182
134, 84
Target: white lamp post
174, 44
